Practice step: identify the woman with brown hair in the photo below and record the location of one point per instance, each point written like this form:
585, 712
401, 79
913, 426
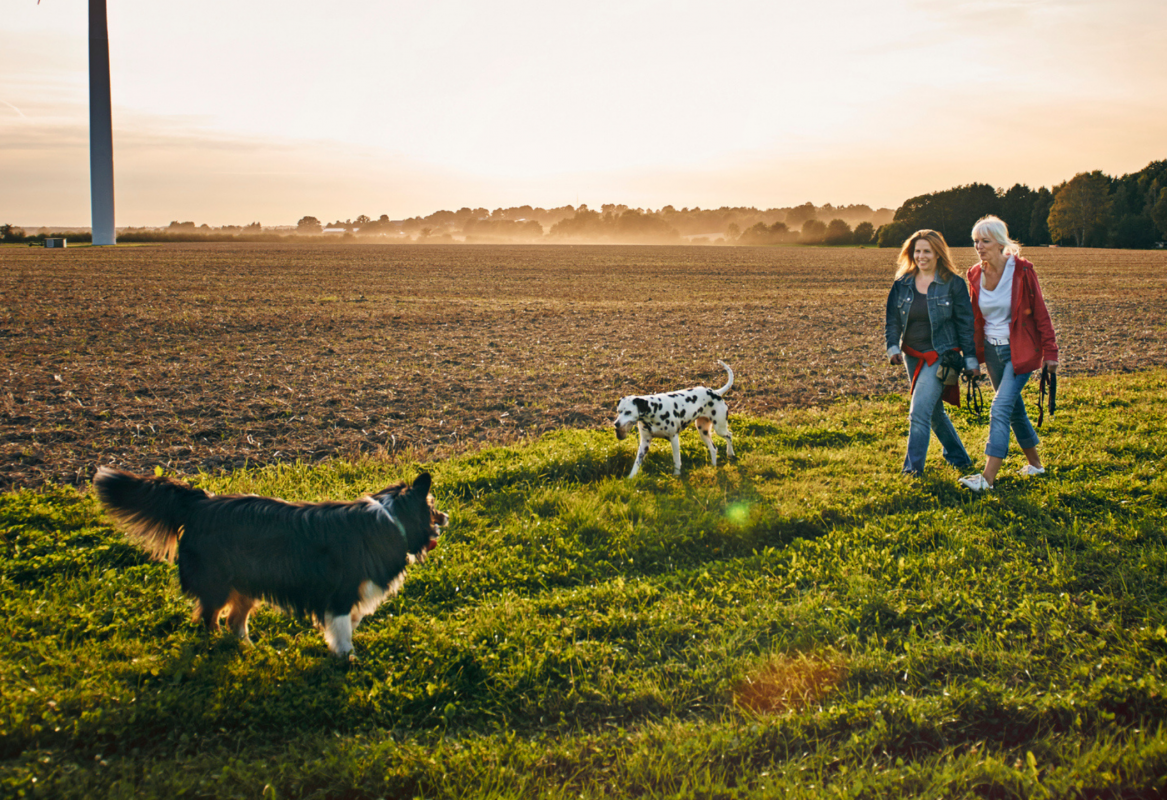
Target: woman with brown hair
929, 314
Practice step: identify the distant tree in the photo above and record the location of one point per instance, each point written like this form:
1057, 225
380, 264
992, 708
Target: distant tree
554, 215
632, 225
1016, 209
756, 235
1134, 232
362, 220
11, 233
584, 224
813, 232
799, 215
1039, 216
1126, 198
441, 219
1080, 205
952, 212
894, 234
838, 232
1134, 197
864, 233
1159, 213
381, 225
177, 224
732, 231
254, 227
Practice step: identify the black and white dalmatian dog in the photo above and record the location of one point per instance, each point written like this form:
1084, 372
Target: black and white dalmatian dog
664, 416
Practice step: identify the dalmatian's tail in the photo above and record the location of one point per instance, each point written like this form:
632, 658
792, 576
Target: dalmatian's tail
721, 392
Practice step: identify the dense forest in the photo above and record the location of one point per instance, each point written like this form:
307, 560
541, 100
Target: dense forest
1089, 210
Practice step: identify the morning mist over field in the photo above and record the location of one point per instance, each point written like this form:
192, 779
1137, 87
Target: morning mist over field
227, 114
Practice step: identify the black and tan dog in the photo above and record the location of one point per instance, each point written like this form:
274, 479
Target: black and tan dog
333, 561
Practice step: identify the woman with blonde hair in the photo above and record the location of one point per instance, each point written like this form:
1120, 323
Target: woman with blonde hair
1014, 336
928, 315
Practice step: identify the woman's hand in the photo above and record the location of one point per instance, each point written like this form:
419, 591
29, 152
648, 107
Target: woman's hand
973, 373
898, 358
1052, 366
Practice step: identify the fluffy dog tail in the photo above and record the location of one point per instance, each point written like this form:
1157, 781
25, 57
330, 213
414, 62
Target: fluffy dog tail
724, 389
151, 511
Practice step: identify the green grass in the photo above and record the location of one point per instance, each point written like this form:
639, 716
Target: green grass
803, 622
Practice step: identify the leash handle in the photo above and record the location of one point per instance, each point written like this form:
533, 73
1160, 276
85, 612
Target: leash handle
1049, 385
973, 396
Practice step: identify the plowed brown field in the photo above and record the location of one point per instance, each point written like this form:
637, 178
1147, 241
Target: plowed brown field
214, 356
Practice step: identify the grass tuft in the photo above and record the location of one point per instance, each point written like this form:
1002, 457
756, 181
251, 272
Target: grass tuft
790, 682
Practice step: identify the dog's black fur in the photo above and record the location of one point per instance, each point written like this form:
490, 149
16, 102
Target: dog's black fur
332, 561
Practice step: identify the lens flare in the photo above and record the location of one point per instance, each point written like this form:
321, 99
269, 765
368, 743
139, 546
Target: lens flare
738, 513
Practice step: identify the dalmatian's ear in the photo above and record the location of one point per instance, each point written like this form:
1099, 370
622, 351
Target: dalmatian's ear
641, 404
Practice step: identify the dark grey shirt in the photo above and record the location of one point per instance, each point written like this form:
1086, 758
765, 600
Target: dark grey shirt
918, 333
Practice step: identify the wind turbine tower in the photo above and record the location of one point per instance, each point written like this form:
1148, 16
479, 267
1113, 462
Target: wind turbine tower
100, 127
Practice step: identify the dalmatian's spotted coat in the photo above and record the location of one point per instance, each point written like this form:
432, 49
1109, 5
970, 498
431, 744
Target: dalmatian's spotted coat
664, 416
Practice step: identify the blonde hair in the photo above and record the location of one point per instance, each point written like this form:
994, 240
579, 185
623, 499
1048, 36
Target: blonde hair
998, 231
907, 264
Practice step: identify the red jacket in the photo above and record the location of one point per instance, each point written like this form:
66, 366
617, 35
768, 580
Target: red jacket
1031, 334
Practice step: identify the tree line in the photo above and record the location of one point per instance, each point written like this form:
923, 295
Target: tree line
618, 223
1089, 210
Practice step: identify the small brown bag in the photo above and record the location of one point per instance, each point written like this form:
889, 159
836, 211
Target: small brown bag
951, 366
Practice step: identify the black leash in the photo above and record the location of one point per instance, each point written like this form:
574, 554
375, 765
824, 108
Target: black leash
1049, 384
972, 394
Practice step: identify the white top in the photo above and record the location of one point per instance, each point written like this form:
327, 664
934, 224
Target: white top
997, 305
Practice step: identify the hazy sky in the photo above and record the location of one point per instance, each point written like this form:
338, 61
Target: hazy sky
229, 113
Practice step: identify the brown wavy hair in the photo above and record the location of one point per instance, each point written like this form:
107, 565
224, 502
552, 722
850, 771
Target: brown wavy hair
944, 266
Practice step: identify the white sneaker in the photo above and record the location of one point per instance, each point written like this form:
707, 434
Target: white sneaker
1029, 470
975, 483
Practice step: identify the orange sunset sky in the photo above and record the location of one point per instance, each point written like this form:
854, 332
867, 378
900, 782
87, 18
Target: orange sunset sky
228, 113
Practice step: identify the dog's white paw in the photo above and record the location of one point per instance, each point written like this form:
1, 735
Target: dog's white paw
338, 632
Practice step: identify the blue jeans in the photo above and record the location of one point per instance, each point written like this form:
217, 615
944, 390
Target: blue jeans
1008, 410
927, 415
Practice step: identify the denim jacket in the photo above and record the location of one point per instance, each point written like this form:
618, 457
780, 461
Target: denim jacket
949, 310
